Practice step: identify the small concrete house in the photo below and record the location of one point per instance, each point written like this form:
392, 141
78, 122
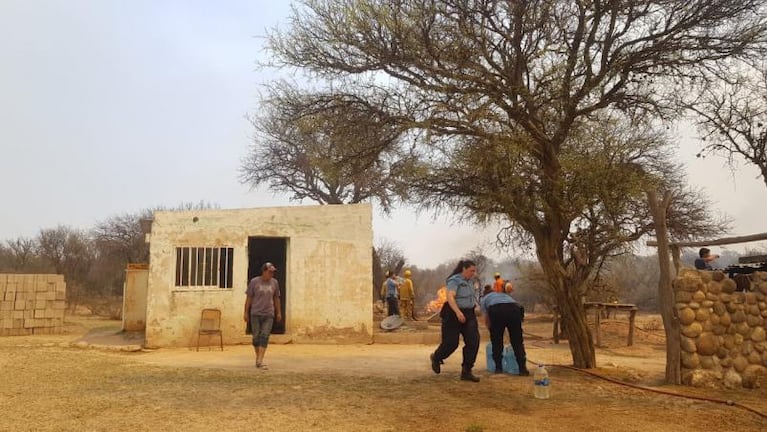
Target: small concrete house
205, 258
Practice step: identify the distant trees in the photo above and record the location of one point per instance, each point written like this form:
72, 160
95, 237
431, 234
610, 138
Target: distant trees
92, 261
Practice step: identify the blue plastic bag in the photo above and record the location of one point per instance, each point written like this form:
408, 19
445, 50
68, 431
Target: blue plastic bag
509, 361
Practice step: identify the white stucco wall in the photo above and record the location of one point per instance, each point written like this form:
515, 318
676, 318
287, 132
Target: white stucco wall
329, 272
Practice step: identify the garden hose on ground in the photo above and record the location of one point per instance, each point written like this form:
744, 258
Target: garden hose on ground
650, 389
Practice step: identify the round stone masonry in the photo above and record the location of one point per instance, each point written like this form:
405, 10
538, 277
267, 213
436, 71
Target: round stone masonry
738, 317
683, 296
719, 308
703, 314
724, 339
692, 330
750, 298
759, 334
688, 344
707, 344
715, 288
686, 316
728, 286
692, 361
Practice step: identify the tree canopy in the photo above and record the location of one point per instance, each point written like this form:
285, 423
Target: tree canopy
326, 147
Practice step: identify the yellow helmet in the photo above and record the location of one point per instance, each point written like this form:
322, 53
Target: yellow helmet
407, 273
497, 274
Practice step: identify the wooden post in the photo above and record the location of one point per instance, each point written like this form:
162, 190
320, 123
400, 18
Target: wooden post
676, 256
596, 325
658, 208
632, 317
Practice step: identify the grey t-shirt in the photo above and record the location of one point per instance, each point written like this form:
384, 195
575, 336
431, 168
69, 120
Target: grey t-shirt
263, 293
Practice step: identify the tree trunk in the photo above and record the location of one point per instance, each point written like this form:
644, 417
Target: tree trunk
571, 310
665, 292
578, 333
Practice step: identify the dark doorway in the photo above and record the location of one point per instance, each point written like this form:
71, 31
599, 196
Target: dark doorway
273, 250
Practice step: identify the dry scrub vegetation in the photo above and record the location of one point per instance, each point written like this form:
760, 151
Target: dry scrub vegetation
49, 386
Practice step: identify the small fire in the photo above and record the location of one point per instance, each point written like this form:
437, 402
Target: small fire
435, 305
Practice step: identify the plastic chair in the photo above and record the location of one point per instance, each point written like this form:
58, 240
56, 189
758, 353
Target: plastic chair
210, 324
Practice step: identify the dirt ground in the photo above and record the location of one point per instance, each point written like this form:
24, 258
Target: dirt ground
47, 384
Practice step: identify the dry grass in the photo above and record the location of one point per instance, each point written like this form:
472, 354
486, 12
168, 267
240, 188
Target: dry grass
48, 387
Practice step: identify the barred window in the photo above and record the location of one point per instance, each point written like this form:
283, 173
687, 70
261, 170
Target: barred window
204, 267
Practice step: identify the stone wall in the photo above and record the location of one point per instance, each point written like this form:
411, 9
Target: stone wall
31, 304
723, 339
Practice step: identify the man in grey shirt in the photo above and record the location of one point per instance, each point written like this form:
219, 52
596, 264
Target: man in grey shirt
262, 308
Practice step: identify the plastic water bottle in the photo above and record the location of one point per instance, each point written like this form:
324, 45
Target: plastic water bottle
541, 382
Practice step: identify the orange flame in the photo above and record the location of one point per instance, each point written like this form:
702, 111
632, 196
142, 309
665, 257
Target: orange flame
435, 305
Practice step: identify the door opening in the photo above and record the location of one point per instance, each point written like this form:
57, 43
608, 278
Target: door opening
273, 250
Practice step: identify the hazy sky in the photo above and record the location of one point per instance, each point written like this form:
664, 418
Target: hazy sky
113, 106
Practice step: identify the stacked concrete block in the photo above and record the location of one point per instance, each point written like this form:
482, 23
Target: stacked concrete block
724, 340
32, 304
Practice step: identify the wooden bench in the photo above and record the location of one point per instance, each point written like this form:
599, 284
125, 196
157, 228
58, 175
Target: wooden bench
599, 308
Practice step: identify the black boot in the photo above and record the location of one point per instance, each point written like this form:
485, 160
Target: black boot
435, 364
498, 367
466, 375
522, 362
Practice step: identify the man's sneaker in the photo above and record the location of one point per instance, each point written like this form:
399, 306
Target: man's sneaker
435, 364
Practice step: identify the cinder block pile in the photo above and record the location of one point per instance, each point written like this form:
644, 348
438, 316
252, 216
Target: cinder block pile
31, 304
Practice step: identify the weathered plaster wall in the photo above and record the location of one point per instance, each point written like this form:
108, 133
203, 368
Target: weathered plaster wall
32, 304
134, 297
328, 272
724, 342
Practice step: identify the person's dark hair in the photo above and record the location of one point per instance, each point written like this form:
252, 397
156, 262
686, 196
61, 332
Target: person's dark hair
487, 290
462, 265
703, 252
388, 273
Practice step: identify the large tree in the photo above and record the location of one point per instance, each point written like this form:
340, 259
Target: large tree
326, 147
520, 75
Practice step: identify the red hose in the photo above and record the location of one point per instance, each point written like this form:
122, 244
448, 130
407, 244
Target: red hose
663, 392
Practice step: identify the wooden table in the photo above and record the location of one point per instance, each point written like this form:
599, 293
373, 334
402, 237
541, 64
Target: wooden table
600, 307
